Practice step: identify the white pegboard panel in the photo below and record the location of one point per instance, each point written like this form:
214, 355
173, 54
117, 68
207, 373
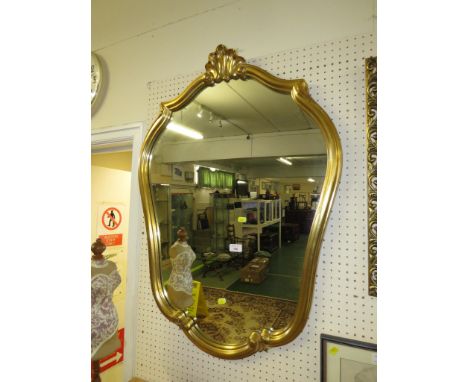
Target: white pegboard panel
334, 71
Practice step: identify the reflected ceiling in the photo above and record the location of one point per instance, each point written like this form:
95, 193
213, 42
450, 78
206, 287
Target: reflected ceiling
251, 107
271, 162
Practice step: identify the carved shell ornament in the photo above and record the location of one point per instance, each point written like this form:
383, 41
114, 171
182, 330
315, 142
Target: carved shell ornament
223, 65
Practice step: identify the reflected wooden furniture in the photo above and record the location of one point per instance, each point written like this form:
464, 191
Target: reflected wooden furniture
303, 217
220, 221
291, 232
255, 271
221, 263
270, 239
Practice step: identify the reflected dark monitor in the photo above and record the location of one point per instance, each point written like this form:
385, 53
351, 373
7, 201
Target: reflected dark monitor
241, 188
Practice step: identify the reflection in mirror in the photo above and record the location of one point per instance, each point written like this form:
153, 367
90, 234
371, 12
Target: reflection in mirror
241, 169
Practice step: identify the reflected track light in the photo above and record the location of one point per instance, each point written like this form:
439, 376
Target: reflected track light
285, 161
176, 128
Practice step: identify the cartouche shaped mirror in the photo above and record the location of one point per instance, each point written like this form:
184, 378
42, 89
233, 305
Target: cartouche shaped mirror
237, 178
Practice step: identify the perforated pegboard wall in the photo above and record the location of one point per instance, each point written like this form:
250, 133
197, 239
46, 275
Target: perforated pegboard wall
334, 71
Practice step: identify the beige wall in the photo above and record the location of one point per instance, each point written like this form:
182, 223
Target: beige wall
117, 161
147, 40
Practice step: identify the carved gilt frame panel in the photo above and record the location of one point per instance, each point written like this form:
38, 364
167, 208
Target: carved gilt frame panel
371, 107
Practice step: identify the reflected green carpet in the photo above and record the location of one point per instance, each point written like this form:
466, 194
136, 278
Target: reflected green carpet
284, 274
214, 281
279, 286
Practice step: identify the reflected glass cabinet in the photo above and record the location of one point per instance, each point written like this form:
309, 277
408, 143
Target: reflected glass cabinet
174, 210
182, 214
162, 202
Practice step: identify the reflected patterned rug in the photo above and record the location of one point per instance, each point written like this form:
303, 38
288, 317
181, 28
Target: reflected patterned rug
242, 313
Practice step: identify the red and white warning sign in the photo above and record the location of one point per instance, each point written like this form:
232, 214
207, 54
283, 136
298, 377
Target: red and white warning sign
112, 240
116, 357
111, 223
111, 218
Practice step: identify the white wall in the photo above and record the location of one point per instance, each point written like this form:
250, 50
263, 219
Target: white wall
341, 305
145, 40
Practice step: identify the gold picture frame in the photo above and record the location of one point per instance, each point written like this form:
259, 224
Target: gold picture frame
371, 114
225, 65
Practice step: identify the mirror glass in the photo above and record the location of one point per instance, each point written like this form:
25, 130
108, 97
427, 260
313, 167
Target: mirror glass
241, 169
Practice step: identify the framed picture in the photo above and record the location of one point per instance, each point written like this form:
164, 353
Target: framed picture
189, 175
177, 172
266, 186
344, 360
296, 187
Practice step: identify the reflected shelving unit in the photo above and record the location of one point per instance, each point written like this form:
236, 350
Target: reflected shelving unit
162, 205
260, 213
251, 218
173, 210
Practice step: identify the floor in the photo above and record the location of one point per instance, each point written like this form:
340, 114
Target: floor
212, 280
283, 278
282, 281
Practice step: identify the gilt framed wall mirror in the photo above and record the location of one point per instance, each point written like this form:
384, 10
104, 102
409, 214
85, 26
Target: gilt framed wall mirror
237, 177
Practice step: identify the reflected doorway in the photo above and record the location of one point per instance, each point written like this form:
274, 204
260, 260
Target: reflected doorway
110, 216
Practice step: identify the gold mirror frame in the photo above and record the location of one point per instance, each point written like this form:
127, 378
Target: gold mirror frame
225, 65
371, 106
